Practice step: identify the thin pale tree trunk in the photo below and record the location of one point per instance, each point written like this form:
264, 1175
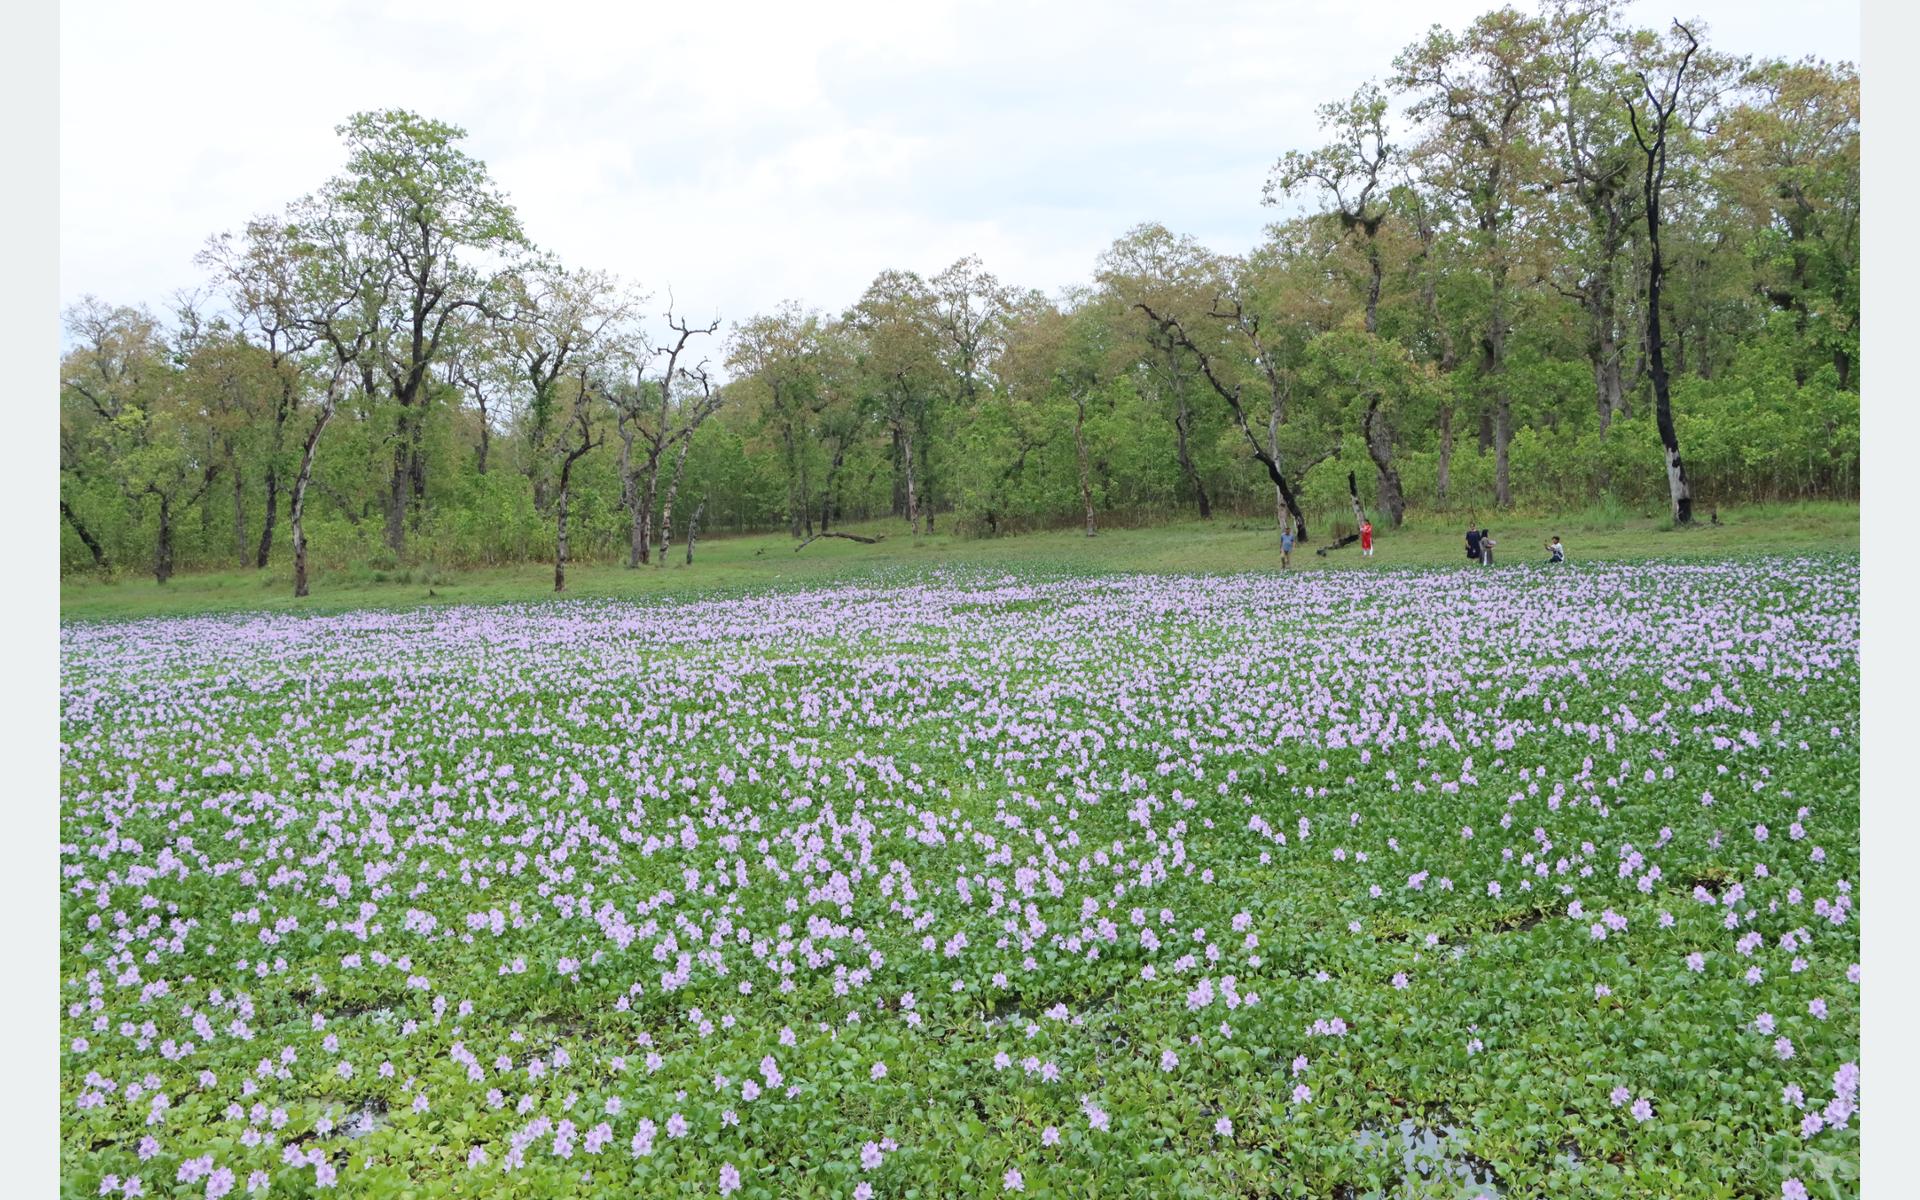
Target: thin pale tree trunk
673, 491
693, 528
297, 500
913, 495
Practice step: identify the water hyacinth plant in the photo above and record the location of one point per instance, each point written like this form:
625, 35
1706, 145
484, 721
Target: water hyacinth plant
974, 884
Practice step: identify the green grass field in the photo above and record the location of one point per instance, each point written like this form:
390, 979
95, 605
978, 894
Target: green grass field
754, 562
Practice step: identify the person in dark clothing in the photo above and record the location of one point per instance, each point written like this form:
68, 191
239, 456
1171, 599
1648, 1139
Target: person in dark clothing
1473, 545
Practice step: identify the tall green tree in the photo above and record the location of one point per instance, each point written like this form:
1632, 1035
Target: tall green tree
412, 224
1477, 96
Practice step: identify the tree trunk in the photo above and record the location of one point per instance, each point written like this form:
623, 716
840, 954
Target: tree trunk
1380, 450
1080, 458
1282, 515
673, 491
1502, 442
899, 480
1609, 394
924, 477
266, 524
561, 527
396, 502
417, 477
827, 492
163, 550
1181, 418
639, 549
560, 534
1493, 368
1374, 272
913, 499
539, 466
1678, 489
1443, 471
693, 528
297, 501
86, 535
206, 523
239, 519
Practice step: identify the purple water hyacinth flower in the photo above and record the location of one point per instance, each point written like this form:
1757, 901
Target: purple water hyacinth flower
754, 821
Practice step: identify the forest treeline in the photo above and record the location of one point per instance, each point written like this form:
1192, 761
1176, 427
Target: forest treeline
1451, 307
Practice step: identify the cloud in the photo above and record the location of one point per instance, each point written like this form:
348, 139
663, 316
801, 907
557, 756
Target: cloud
745, 154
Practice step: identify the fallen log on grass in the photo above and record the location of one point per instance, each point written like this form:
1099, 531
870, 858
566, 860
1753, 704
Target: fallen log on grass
1348, 540
852, 537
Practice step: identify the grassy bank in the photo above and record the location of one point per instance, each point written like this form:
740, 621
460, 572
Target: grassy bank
769, 560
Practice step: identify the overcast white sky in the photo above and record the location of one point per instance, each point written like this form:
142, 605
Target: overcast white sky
743, 154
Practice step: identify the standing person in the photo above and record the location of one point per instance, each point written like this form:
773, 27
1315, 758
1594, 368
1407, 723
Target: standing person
1366, 539
1556, 553
1486, 548
1286, 549
1473, 545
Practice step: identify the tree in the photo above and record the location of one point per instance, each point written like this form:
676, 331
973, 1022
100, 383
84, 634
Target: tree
659, 415
392, 341
548, 319
230, 385
693, 414
1432, 336
582, 424
970, 314
1787, 162
112, 365
1587, 47
774, 356
1176, 335
1152, 270
297, 500
1379, 379
260, 273
140, 414
1352, 173
1477, 96
1650, 135
897, 321
1054, 355
403, 224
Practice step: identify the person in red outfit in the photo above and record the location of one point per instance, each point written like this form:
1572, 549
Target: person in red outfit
1366, 539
